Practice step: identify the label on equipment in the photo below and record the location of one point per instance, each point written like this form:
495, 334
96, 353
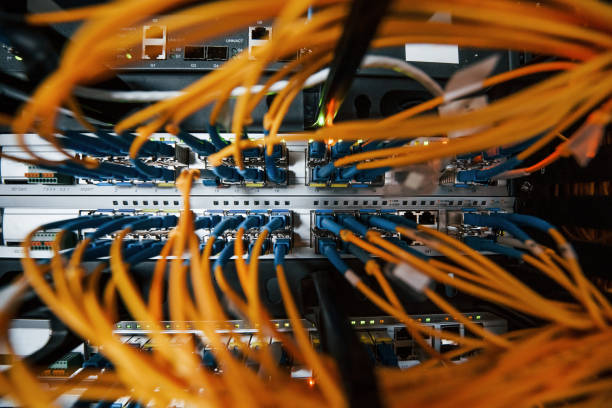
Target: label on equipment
441, 53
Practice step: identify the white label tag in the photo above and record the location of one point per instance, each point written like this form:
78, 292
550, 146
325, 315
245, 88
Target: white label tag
417, 280
461, 106
441, 53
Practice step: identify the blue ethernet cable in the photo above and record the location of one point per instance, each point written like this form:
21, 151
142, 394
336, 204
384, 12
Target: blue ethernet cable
226, 224
208, 221
114, 225
135, 248
251, 174
112, 142
107, 170
146, 253
118, 171
398, 219
224, 256
209, 178
494, 221
149, 148
316, 150
358, 253
352, 173
484, 175
154, 173
355, 226
94, 251
324, 172
126, 139
527, 220
103, 142
70, 142
122, 142
275, 174
483, 244
530, 221
201, 147
340, 149
387, 224
76, 170
254, 151
88, 221
101, 248
326, 222
226, 173
215, 137
165, 221
252, 221
275, 223
334, 257
281, 248
264, 248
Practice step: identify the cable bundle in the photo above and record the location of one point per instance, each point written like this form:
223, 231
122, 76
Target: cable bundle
563, 360
566, 361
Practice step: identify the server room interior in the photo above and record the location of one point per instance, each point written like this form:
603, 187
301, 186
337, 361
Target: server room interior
349, 327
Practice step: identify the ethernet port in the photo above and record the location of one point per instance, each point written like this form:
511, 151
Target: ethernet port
468, 333
217, 53
445, 348
194, 52
452, 328
411, 215
154, 32
153, 52
260, 33
402, 334
404, 353
427, 218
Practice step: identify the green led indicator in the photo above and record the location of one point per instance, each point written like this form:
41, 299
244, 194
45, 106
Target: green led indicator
372, 321
129, 326
138, 326
353, 322
428, 319
168, 326
18, 58
128, 56
118, 325
477, 317
362, 322
321, 120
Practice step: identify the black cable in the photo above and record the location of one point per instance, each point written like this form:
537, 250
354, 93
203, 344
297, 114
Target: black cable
339, 340
361, 25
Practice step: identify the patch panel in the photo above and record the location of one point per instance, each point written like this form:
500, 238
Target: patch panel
150, 229
288, 167
161, 160
154, 201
